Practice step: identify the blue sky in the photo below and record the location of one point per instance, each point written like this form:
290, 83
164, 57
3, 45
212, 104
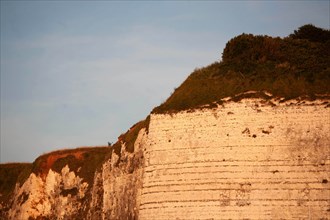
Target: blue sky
80, 73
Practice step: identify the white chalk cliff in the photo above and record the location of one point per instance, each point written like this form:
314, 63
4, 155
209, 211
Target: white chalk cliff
244, 160
261, 153
251, 159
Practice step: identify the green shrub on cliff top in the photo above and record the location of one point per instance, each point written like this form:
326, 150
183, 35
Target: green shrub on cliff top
295, 66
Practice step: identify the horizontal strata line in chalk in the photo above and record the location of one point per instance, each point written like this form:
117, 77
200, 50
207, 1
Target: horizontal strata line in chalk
229, 207
163, 192
216, 204
173, 157
231, 179
221, 160
239, 181
278, 172
168, 213
224, 215
217, 127
235, 200
275, 184
187, 216
222, 146
183, 216
233, 165
241, 171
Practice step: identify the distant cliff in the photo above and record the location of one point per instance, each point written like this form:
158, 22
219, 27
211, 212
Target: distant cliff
244, 138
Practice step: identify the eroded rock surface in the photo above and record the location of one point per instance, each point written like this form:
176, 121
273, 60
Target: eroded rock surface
244, 160
58, 195
251, 159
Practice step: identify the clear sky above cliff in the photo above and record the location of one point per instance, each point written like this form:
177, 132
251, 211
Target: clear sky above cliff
81, 73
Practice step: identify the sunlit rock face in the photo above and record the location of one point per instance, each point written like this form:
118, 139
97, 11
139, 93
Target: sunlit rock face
112, 195
58, 195
65, 195
251, 159
243, 160
122, 183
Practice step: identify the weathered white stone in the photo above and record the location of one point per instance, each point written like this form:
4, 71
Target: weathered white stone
244, 159
42, 197
122, 182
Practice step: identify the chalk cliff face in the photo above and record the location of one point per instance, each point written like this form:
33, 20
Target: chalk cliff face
244, 160
252, 159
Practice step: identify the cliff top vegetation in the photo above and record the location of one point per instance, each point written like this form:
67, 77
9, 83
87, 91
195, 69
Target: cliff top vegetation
290, 67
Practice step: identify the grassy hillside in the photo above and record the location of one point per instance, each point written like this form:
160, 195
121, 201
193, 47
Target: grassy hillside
298, 65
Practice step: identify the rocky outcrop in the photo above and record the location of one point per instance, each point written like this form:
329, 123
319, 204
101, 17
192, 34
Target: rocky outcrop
111, 193
121, 179
249, 159
58, 196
